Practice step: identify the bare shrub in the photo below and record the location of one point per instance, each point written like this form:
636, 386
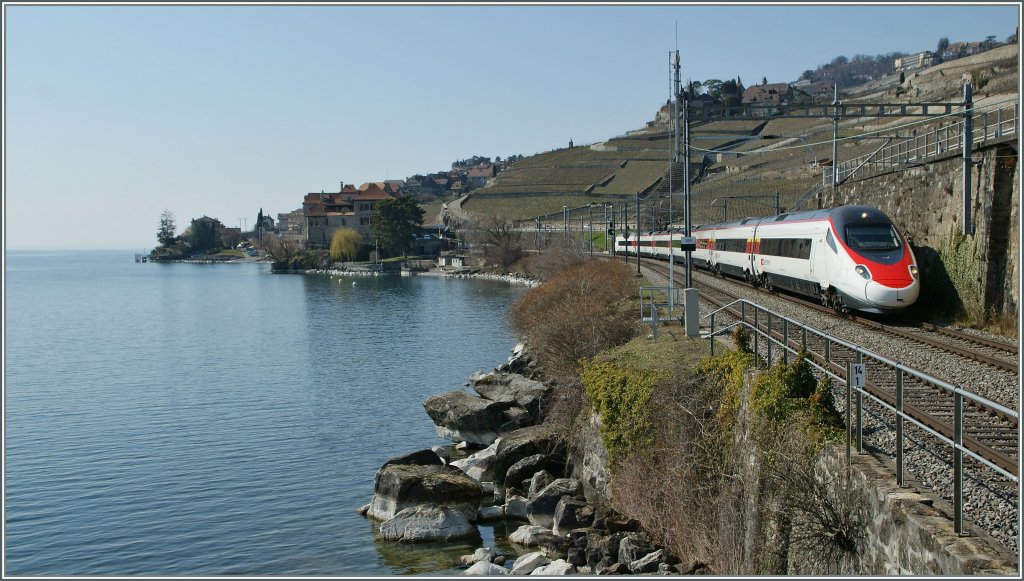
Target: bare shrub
826, 517
679, 490
560, 253
575, 315
500, 241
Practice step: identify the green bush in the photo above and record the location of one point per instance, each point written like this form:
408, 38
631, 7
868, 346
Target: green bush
621, 396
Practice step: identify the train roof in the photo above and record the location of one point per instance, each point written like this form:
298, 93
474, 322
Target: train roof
842, 213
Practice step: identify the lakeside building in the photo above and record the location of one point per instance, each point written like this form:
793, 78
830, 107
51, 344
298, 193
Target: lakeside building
326, 212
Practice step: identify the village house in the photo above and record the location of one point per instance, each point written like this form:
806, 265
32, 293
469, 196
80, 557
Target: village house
292, 225
772, 94
227, 237
961, 49
477, 176
325, 213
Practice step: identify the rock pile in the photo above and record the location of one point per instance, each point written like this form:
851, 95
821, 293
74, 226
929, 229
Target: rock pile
516, 470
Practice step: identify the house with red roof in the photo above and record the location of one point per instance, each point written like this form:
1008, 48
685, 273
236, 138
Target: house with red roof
772, 94
477, 176
326, 212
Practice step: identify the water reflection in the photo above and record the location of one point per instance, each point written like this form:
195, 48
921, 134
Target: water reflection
443, 558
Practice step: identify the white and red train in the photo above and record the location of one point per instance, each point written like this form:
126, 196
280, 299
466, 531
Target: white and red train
850, 257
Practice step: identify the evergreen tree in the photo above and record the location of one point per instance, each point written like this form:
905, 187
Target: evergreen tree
394, 223
165, 233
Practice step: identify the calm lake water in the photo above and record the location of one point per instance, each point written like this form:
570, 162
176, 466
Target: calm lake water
185, 419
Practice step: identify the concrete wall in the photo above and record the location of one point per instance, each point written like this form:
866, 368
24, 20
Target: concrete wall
909, 531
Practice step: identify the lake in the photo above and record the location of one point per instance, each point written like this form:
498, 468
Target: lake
192, 419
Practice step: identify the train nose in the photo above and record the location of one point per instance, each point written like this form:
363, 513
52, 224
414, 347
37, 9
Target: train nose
888, 296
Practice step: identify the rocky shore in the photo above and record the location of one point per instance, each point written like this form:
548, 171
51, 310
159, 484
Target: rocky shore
505, 464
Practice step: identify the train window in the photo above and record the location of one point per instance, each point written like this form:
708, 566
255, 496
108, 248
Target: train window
786, 247
872, 237
731, 245
831, 241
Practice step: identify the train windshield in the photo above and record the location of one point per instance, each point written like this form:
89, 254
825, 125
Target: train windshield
872, 237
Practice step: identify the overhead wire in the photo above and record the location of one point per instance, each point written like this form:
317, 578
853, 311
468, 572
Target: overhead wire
974, 110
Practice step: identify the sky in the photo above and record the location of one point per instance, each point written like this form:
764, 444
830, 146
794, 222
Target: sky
114, 113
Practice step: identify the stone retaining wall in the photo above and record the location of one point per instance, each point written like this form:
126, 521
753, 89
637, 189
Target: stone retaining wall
909, 532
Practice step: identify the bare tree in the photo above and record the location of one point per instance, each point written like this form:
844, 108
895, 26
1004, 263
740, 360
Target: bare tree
499, 240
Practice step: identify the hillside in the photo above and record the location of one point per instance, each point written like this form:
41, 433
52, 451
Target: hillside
748, 163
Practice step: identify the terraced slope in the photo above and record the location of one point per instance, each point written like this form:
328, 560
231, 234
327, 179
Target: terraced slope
748, 163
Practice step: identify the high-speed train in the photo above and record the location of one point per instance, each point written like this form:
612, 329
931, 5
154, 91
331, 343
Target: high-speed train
849, 257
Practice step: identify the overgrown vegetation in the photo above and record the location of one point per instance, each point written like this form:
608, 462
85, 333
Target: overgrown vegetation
960, 257
621, 396
721, 469
290, 255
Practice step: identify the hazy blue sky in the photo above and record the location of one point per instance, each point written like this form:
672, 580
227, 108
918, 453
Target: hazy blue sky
113, 113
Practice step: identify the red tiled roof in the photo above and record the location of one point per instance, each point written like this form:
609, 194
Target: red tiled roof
481, 171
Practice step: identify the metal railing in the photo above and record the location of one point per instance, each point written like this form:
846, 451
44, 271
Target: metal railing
779, 334
660, 303
939, 142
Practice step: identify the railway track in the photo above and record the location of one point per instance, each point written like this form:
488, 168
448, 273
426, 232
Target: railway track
999, 355
987, 431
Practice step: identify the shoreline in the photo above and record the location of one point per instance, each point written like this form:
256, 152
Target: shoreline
510, 278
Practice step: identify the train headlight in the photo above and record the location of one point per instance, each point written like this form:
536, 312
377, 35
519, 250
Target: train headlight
913, 271
863, 272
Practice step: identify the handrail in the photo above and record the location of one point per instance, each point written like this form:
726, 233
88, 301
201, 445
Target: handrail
940, 141
762, 327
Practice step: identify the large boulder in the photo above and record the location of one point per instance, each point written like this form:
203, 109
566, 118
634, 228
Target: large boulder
559, 567
633, 547
485, 568
651, 562
401, 486
523, 470
540, 510
519, 444
490, 514
571, 513
516, 418
460, 416
427, 457
479, 466
526, 393
515, 507
601, 547
533, 536
427, 524
526, 564
482, 554
538, 481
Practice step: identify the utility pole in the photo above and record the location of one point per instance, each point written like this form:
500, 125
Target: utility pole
590, 208
968, 227
686, 183
638, 235
675, 161
835, 138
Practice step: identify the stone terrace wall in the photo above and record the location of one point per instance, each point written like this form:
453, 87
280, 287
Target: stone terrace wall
910, 532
